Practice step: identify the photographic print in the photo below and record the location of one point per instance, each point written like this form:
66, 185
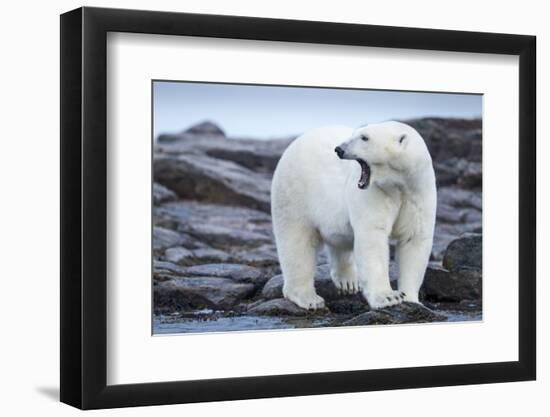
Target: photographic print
286, 207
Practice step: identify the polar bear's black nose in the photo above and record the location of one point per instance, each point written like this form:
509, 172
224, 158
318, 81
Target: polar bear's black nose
339, 151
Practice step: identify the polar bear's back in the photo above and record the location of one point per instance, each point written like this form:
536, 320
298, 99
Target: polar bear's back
309, 180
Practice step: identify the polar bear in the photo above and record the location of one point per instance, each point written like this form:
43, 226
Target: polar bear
352, 190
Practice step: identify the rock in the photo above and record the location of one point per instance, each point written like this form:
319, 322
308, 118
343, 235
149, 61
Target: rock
273, 288
472, 217
161, 194
349, 304
476, 228
162, 220
263, 256
277, 307
194, 212
449, 214
472, 176
204, 292
168, 297
179, 255
191, 242
449, 170
202, 131
218, 226
209, 255
203, 255
186, 257
207, 128
459, 171
260, 156
459, 198
167, 267
200, 177
451, 286
476, 150
448, 137
444, 234
399, 314
163, 271
226, 237
252, 159
165, 238
464, 253
235, 272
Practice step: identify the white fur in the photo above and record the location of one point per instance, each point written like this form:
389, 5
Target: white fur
316, 200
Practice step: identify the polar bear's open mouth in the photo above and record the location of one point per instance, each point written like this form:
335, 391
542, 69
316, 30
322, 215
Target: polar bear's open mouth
364, 180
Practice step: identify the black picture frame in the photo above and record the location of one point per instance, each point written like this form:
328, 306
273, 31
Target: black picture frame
84, 207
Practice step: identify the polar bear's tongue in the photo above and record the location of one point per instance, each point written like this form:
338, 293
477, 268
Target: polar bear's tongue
365, 174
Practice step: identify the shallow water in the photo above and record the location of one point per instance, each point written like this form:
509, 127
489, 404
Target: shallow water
206, 322
220, 324
458, 316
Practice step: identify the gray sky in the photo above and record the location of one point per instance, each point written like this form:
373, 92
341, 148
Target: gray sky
270, 112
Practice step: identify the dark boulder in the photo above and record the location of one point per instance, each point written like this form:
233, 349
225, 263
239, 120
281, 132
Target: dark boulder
169, 298
201, 292
465, 252
398, 314
451, 286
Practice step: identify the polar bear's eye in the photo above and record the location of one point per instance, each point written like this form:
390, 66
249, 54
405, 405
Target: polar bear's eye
402, 138
364, 138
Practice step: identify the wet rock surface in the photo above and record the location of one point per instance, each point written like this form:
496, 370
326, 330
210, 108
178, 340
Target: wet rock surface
202, 292
215, 262
401, 314
277, 307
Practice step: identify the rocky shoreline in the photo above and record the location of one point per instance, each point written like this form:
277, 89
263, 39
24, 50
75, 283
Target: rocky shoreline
215, 264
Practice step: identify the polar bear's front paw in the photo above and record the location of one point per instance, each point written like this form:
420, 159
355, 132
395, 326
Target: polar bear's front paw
346, 284
308, 300
384, 298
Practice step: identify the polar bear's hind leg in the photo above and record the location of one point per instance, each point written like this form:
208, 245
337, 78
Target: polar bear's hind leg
342, 270
297, 255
